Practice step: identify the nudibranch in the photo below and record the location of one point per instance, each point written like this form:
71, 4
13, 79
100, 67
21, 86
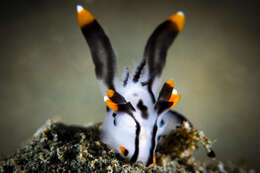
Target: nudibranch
136, 115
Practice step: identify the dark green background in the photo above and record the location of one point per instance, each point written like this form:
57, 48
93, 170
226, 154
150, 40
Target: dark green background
46, 71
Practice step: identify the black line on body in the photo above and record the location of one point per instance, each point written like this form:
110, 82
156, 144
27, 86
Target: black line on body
137, 134
150, 158
102, 53
151, 93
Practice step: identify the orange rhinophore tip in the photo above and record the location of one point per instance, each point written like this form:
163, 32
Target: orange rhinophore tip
110, 93
170, 83
122, 149
175, 97
154, 159
84, 16
112, 105
178, 19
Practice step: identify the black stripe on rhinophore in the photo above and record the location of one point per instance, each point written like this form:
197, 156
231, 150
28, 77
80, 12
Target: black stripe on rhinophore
139, 70
149, 87
140, 105
101, 51
150, 158
157, 46
137, 134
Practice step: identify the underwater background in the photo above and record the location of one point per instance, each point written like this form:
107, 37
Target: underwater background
46, 71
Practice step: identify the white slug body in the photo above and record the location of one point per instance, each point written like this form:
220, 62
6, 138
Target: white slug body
136, 115
121, 130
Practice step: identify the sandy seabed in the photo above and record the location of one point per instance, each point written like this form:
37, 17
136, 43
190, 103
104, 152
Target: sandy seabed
57, 147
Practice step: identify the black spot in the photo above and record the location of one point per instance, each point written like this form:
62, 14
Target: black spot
143, 109
211, 154
114, 116
126, 152
161, 123
141, 106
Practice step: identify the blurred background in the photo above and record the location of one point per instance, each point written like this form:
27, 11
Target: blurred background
46, 71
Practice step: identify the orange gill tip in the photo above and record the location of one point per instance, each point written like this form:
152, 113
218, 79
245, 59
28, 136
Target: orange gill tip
170, 83
110, 93
154, 160
111, 104
122, 149
175, 97
178, 19
84, 16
